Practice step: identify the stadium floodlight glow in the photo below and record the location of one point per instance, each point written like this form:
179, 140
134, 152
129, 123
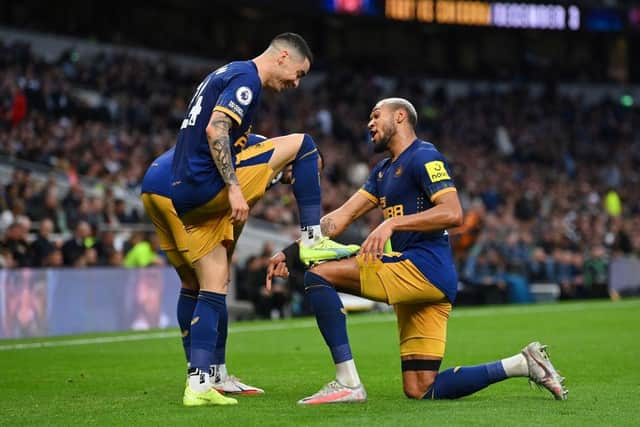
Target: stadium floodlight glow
626, 101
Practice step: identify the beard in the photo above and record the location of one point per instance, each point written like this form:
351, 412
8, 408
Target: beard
389, 131
381, 146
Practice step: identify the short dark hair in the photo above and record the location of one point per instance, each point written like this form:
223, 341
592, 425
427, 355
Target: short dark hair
296, 41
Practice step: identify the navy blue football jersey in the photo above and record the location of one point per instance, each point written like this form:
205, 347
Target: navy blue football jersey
233, 89
408, 185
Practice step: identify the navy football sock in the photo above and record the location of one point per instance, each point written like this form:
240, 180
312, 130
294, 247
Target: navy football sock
463, 381
221, 343
330, 316
204, 329
306, 183
186, 304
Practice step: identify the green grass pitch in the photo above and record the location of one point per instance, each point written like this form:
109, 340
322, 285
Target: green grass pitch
138, 379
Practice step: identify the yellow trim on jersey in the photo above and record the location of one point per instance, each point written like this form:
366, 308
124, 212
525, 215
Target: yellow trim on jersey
441, 192
368, 195
229, 113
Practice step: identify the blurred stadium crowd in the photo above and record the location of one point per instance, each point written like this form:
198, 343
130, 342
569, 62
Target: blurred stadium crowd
547, 180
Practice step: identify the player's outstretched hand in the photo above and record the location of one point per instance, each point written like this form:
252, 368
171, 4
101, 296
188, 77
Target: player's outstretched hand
373, 246
276, 268
239, 206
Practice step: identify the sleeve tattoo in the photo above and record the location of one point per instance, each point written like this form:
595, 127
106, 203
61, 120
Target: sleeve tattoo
221, 149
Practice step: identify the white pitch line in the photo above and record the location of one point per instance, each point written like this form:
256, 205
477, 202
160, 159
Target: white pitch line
303, 324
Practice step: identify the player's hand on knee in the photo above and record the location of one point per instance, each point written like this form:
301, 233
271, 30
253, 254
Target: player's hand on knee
239, 206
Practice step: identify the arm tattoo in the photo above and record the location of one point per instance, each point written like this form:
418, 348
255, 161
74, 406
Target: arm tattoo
328, 227
221, 149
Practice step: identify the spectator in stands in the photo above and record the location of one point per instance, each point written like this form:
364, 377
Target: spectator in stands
6, 258
54, 259
124, 217
11, 216
568, 273
540, 268
16, 244
483, 271
75, 250
144, 251
46, 205
465, 236
71, 205
596, 272
43, 246
105, 248
267, 304
134, 116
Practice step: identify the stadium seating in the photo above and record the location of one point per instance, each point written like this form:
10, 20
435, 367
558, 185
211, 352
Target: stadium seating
83, 125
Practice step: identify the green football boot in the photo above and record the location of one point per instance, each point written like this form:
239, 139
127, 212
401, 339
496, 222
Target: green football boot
325, 250
210, 397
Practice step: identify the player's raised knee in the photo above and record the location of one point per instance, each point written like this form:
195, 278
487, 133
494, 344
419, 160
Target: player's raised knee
307, 147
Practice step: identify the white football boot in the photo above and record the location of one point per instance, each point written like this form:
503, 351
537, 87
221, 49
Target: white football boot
232, 385
334, 392
542, 372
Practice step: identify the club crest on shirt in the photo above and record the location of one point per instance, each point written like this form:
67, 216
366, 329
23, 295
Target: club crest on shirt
398, 171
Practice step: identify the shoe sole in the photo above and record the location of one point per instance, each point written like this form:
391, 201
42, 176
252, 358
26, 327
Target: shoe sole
311, 263
240, 393
331, 402
206, 403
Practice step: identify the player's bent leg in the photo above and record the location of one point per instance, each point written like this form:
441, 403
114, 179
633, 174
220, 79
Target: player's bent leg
395, 280
418, 374
422, 331
532, 362
301, 151
285, 149
344, 275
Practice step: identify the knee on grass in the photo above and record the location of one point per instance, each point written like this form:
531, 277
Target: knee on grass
414, 390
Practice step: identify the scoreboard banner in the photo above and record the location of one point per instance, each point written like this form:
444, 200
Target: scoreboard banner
491, 14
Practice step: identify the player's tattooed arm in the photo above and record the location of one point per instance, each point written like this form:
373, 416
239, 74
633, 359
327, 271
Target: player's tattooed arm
328, 227
219, 145
337, 221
